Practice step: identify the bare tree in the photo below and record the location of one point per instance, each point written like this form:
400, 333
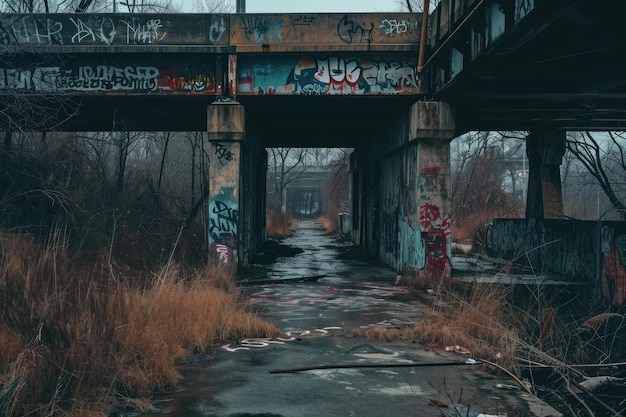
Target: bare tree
603, 155
214, 6
416, 6
285, 165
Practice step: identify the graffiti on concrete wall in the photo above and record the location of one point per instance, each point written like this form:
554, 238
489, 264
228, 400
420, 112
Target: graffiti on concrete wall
223, 206
90, 29
262, 29
110, 78
437, 232
352, 31
412, 254
613, 266
330, 75
223, 228
106, 29
392, 27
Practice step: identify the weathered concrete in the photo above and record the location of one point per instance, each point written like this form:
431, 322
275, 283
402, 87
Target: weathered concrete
404, 187
590, 252
321, 317
225, 132
545, 150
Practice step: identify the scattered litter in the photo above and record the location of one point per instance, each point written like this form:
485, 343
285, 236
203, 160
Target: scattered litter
429, 291
505, 386
434, 348
472, 361
458, 349
437, 403
595, 382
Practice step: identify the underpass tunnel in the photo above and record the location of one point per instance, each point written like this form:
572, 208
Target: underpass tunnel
398, 174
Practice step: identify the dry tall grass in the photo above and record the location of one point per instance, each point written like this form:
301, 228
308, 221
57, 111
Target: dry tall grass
476, 319
279, 224
77, 339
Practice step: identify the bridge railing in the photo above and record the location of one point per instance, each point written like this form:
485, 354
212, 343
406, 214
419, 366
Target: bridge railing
460, 31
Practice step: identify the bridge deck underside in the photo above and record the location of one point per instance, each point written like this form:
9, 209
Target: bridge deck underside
561, 70
297, 121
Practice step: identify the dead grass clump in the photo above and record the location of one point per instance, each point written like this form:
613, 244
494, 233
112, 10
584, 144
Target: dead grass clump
476, 320
330, 220
77, 339
279, 224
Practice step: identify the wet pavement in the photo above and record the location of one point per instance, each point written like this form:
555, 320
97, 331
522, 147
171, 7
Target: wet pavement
320, 368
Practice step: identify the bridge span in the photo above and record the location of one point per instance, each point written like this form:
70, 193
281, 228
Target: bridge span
254, 81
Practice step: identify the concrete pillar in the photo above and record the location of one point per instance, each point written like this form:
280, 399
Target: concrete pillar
432, 127
545, 150
226, 128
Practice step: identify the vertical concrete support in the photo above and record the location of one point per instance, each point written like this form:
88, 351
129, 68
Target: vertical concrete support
545, 150
432, 128
226, 129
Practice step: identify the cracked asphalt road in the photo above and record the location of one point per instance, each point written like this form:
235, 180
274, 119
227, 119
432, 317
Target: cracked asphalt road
319, 297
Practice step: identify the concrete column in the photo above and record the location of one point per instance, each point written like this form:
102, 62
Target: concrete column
545, 150
226, 130
432, 128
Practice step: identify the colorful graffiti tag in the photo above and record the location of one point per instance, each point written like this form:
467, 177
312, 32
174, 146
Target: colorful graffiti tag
109, 78
613, 267
331, 75
437, 233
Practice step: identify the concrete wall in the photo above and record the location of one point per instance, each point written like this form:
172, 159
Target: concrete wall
588, 251
404, 183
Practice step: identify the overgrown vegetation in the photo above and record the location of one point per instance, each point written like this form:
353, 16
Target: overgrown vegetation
551, 343
79, 335
279, 225
107, 283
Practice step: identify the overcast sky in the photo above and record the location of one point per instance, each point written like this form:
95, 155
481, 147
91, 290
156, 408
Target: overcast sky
310, 6
320, 6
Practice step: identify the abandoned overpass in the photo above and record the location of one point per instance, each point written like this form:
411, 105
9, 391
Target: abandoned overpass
397, 87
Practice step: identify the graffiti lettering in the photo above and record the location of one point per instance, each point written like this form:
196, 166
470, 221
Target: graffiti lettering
33, 30
246, 344
139, 32
224, 252
396, 27
337, 73
261, 29
225, 218
313, 89
437, 231
303, 20
95, 29
390, 74
187, 79
217, 28
6, 38
348, 31
85, 78
331, 75
139, 78
224, 155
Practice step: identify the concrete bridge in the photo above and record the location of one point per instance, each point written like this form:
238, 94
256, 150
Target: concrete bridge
397, 87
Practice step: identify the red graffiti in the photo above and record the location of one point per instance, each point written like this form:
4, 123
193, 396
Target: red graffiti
614, 278
431, 171
435, 231
225, 253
